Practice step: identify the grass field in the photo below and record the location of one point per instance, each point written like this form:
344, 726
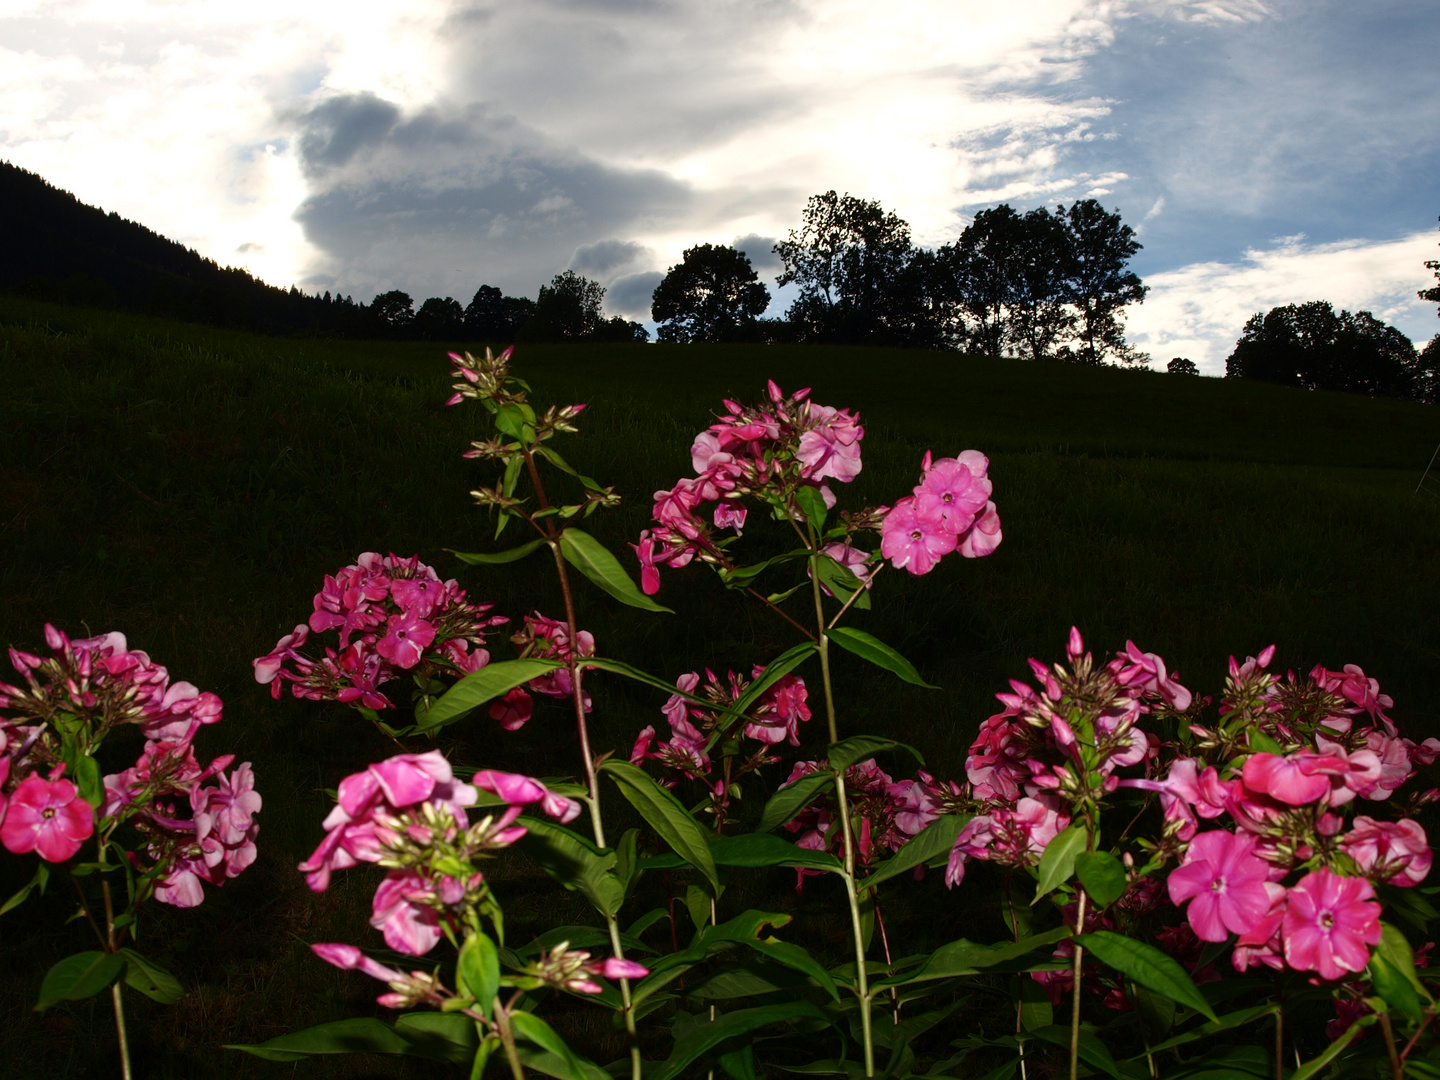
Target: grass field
191, 487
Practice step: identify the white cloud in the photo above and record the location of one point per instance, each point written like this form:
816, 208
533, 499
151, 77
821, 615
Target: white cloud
1198, 311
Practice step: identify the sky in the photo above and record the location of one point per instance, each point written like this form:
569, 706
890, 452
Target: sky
1265, 151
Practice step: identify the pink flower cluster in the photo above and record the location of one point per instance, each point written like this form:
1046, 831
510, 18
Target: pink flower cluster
769, 451
409, 813
193, 833
547, 639
392, 615
889, 812
949, 509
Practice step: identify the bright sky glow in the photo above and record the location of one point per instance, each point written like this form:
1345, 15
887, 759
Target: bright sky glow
1268, 152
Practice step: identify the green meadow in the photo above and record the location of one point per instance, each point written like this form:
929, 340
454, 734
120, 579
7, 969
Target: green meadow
191, 487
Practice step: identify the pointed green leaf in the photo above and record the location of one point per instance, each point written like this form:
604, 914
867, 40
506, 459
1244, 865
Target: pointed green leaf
574, 862
355, 1036
774, 671
1263, 743
1239, 1018
479, 687
478, 972
739, 1064
593, 559
812, 505
869, 647
1148, 966
560, 1061
560, 463
78, 977
753, 850
1395, 949
847, 752
1058, 862
965, 957
151, 979
842, 582
1102, 875
42, 876
1316, 1065
488, 558
1092, 1050
1036, 1012
792, 798
694, 1039
665, 814
439, 1036
936, 839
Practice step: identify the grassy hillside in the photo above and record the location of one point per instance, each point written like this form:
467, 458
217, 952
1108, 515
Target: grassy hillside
192, 486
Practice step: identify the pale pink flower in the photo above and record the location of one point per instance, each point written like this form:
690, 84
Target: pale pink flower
1394, 852
1261, 943
830, 447
1329, 922
47, 817
349, 958
1147, 671
914, 540
956, 489
402, 912
228, 809
1224, 882
1298, 779
520, 790
983, 537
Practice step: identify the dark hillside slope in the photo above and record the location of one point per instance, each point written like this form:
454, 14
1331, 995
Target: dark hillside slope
54, 247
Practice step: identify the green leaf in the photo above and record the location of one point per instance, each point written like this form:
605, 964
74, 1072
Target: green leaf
1036, 1012
936, 839
665, 814
774, 671
487, 558
812, 505
564, 466
1148, 966
1157, 1012
1394, 989
739, 1064
792, 798
964, 957
439, 1036
847, 752
1262, 743
78, 977
475, 689
694, 1039
1092, 1050
151, 979
574, 862
1316, 1065
355, 1036
559, 1060
869, 647
750, 850
517, 421
1239, 1018
1102, 875
42, 876
842, 582
86, 776
1058, 862
478, 972
749, 981
593, 559
1394, 947
740, 577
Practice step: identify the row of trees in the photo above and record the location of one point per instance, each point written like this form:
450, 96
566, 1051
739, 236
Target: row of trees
1043, 284
570, 308
1315, 347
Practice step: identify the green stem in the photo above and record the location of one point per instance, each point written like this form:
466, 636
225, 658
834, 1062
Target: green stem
862, 977
1397, 1070
507, 1040
1075, 1004
120, 1030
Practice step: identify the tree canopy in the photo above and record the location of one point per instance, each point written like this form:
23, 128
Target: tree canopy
712, 294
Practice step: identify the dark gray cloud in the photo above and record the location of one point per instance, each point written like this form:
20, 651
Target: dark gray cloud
630, 295
759, 250
448, 199
606, 256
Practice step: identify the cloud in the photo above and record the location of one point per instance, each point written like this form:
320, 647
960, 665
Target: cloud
630, 295
1198, 311
759, 250
604, 257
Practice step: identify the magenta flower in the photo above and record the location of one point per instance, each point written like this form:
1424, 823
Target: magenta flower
349, 958
914, 539
1329, 923
983, 537
403, 913
1224, 882
47, 817
1394, 852
520, 790
514, 710
1298, 779
406, 636
616, 968
956, 489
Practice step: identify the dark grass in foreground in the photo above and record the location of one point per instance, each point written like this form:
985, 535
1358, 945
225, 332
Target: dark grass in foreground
191, 487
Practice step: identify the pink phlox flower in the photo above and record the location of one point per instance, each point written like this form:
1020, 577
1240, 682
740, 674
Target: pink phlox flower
1225, 883
1355, 687
914, 538
402, 911
1394, 852
1394, 756
983, 537
514, 710
419, 596
518, 790
349, 958
729, 514
1356, 772
459, 653
829, 447
677, 708
48, 817
230, 806
1329, 922
1426, 753
777, 715
1187, 794
181, 887
1146, 671
1297, 779
406, 637
956, 489
1347, 1011
996, 765
676, 508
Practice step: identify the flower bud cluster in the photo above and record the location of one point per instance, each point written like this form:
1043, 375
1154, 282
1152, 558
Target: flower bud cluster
197, 823
392, 615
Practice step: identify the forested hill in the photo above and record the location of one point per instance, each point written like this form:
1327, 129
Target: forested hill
54, 247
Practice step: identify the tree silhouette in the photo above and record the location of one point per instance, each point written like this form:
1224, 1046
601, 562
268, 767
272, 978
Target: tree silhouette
1311, 346
1097, 282
846, 257
493, 316
393, 310
711, 295
439, 319
568, 309
1182, 366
